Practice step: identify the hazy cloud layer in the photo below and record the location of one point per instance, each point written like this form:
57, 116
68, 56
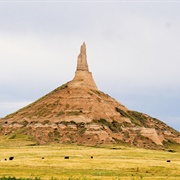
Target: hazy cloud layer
133, 52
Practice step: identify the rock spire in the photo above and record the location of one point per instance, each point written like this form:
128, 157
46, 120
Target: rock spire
77, 112
82, 59
83, 77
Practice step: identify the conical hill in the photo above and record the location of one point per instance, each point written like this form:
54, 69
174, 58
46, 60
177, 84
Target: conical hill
77, 112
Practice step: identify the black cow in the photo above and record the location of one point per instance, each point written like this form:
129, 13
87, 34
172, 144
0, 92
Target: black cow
11, 158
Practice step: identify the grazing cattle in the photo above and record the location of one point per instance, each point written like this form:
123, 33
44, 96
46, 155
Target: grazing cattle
5, 159
66, 157
91, 157
168, 161
42, 157
171, 150
11, 158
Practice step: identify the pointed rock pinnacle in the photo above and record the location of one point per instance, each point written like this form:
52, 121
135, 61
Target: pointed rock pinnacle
82, 59
82, 76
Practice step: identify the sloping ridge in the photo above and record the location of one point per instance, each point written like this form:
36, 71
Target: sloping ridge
77, 112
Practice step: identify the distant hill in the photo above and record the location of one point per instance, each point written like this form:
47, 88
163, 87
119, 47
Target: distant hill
77, 112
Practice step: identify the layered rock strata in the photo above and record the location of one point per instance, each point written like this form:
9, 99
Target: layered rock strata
77, 112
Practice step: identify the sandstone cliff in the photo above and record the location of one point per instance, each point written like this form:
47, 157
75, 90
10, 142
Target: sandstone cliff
77, 112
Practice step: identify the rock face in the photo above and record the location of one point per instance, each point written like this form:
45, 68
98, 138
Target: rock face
82, 59
82, 76
77, 112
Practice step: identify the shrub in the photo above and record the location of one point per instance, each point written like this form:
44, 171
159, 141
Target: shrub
67, 105
73, 113
129, 115
122, 113
114, 126
64, 122
64, 86
117, 126
24, 123
126, 134
138, 116
45, 122
13, 136
72, 122
81, 130
60, 113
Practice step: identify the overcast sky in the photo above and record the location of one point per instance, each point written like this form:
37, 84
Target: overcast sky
133, 50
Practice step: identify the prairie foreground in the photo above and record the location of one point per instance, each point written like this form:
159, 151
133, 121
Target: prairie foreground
109, 162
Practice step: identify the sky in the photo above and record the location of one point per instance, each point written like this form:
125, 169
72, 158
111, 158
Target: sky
133, 51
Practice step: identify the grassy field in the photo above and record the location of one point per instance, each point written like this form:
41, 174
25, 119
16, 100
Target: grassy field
108, 162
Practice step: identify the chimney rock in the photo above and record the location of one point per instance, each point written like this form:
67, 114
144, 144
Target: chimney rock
83, 77
82, 59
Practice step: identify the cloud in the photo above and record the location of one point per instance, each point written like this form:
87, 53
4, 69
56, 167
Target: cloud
32, 57
132, 48
146, 53
10, 107
172, 121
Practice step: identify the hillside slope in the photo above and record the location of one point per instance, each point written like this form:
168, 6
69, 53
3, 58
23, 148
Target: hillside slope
77, 112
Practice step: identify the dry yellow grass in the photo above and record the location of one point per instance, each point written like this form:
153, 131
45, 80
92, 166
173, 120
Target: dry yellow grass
110, 162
